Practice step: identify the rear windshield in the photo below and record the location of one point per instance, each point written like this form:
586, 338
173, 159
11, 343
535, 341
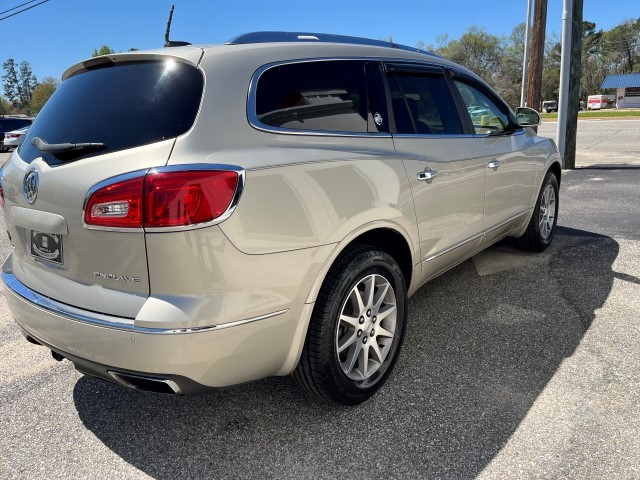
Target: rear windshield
123, 106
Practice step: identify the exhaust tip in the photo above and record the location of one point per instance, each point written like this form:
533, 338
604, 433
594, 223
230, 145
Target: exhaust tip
149, 384
30, 339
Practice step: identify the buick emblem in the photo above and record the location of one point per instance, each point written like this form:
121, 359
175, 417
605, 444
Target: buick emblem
30, 186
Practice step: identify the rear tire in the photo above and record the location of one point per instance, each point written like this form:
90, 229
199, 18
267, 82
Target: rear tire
349, 352
542, 225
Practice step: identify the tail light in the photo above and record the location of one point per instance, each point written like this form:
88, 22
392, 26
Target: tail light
163, 199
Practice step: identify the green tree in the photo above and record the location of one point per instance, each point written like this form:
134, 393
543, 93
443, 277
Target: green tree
104, 50
622, 45
550, 86
508, 79
476, 49
42, 92
19, 83
594, 68
10, 80
5, 106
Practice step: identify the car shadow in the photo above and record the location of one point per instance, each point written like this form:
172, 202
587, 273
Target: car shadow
479, 350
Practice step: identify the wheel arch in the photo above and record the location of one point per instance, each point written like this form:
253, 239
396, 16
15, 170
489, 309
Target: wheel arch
556, 169
388, 237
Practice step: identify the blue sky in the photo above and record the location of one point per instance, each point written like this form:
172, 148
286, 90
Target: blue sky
59, 33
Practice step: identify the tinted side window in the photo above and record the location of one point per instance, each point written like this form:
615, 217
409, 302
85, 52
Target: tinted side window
486, 115
321, 96
423, 104
123, 106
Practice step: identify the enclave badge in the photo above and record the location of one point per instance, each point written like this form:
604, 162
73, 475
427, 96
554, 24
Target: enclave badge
115, 276
30, 186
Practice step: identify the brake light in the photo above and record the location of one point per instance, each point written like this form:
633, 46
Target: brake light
163, 199
118, 205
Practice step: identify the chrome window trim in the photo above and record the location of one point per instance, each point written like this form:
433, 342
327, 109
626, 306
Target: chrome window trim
170, 168
512, 134
108, 321
252, 115
433, 135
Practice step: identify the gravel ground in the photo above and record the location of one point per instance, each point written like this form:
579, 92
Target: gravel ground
514, 366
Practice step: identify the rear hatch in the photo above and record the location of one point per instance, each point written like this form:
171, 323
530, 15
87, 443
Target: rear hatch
135, 106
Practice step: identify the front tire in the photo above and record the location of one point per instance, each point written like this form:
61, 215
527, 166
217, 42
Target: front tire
542, 225
356, 329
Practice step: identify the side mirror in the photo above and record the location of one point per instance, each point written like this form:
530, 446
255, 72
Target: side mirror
527, 117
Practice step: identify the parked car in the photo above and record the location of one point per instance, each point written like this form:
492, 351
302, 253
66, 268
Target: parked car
9, 124
550, 106
274, 219
14, 138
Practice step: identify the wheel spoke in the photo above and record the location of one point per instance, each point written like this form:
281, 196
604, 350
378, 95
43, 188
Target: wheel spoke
364, 364
353, 321
346, 341
359, 306
376, 349
369, 288
383, 332
352, 357
388, 309
382, 292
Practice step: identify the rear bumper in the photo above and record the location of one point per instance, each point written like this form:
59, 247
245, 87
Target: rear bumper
195, 360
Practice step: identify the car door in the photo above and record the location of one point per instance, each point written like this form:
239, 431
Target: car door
446, 176
507, 152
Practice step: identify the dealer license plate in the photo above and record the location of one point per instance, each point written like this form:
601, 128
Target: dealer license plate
46, 246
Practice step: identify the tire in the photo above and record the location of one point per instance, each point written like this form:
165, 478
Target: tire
542, 227
355, 373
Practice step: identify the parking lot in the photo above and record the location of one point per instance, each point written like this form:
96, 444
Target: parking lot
514, 366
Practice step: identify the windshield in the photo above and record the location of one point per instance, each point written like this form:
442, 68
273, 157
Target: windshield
121, 105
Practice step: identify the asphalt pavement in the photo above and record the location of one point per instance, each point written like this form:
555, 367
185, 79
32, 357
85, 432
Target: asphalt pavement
514, 366
603, 141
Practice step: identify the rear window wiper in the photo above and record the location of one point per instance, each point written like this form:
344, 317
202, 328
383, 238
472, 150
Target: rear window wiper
55, 148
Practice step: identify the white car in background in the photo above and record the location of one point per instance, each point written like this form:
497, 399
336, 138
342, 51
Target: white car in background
14, 138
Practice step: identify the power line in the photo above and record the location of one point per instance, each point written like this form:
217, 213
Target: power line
21, 11
21, 5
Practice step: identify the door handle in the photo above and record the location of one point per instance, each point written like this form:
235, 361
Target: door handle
427, 175
494, 164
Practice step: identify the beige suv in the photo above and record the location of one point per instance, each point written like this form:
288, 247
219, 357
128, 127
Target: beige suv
197, 217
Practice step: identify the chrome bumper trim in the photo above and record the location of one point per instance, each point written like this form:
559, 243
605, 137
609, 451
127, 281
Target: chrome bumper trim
108, 321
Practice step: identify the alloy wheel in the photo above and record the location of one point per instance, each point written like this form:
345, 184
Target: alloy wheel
366, 327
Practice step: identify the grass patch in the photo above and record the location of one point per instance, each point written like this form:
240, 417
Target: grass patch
597, 114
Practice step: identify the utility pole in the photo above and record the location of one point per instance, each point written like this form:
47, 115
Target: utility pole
537, 54
570, 74
525, 59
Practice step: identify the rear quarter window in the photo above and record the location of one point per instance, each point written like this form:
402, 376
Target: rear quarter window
328, 96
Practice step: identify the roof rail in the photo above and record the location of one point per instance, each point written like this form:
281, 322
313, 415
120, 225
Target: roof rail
269, 37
